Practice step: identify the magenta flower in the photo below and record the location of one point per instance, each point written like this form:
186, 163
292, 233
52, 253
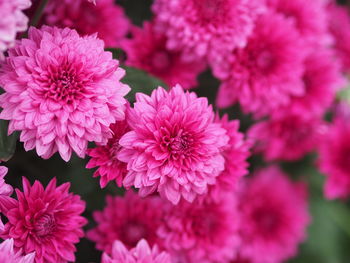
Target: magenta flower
236, 153
267, 72
147, 50
61, 91
322, 79
274, 217
204, 231
339, 26
174, 146
46, 221
8, 254
128, 219
104, 17
287, 136
12, 21
105, 157
334, 159
207, 28
310, 18
142, 253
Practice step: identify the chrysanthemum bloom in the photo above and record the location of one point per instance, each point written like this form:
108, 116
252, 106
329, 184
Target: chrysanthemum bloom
236, 153
310, 18
128, 219
322, 79
204, 231
287, 136
206, 28
105, 157
274, 216
142, 253
105, 17
174, 146
8, 254
339, 26
263, 75
61, 91
334, 159
12, 21
46, 221
147, 50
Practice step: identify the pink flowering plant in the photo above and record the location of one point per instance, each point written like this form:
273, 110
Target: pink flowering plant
174, 131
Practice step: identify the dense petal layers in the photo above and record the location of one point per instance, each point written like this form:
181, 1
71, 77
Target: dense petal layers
147, 50
104, 17
236, 152
204, 231
105, 157
128, 219
287, 136
175, 147
61, 91
273, 217
208, 28
46, 221
268, 71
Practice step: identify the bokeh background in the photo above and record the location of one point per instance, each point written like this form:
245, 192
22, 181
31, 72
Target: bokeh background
328, 235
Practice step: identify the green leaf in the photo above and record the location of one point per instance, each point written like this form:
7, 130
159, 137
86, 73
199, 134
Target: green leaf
7, 143
140, 81
117, 53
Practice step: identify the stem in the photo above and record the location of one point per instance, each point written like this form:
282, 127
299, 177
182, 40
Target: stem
38, 13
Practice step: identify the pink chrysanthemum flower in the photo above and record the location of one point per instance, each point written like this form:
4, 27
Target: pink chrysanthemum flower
236, 153
105, 17
147, 50
128, 219
8, 254
174, 146
61, 91
142, 253
46, 221
287, 136
322, 79
105, 157
204, 231
339, 26
309, 17
334, 159
12, 21
206, 28
274, 217
263, 75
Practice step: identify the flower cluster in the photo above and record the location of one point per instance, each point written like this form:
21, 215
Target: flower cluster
175, 162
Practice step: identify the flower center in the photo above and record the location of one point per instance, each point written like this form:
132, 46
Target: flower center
267, 221
265, 60
64, 83
114, 149
210, 9
45, 225
204, 224
160, 61
132, 233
